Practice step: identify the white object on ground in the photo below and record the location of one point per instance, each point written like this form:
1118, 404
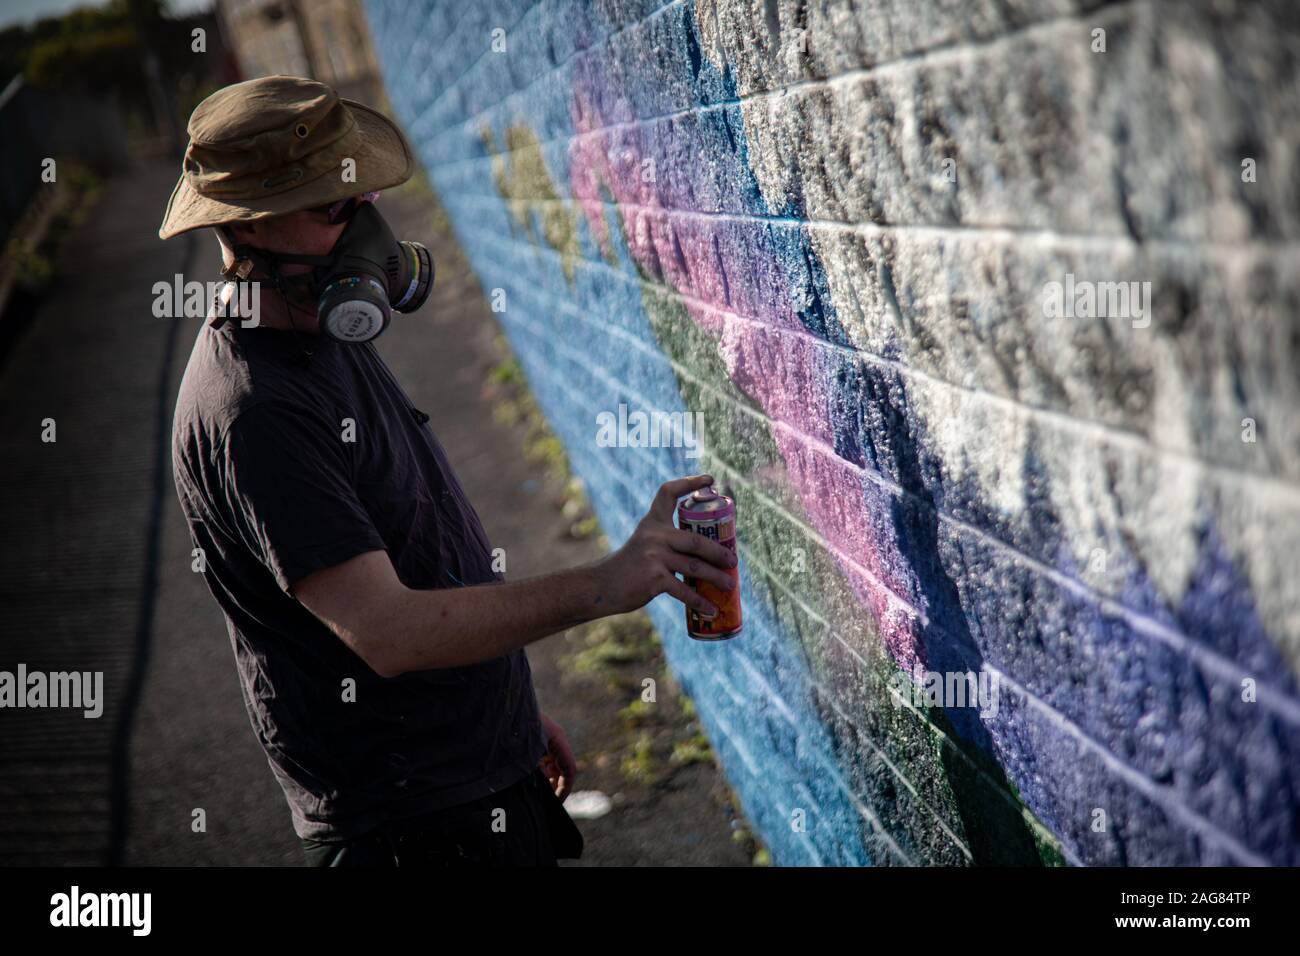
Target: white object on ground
587, 804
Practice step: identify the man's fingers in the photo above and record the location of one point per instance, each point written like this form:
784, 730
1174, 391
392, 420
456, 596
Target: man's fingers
688, 596
564, 757
666, 500
693, 567
688, 542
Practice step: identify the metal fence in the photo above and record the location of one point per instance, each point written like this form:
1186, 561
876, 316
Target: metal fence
37, 124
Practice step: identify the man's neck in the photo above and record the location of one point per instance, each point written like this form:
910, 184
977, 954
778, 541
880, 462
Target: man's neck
272, 310
277, 312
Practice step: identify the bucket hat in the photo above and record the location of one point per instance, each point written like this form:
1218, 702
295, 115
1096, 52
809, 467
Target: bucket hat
277, 145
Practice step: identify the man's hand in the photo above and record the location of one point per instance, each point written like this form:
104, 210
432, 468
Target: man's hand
648, 563
558, 763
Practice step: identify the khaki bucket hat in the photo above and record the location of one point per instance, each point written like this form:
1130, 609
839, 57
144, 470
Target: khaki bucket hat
277, 145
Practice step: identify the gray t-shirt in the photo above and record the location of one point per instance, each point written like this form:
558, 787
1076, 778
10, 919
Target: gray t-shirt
273, 491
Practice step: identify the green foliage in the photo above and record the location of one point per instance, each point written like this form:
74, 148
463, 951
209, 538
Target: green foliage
639, 766
695, 750
83, 36
513, 404
109, 60
106, 50
506, 373
615, 641
32, 270
33, 262
635, 714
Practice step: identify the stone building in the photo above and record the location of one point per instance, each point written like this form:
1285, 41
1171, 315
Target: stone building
327, 40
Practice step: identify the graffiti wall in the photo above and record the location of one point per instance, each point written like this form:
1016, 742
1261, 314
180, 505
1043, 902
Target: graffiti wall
987, 314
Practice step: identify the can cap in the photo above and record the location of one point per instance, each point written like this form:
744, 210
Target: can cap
706, 504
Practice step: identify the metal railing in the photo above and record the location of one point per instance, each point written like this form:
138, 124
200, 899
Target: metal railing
36, 125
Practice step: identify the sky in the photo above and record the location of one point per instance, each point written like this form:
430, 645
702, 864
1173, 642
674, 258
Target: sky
26, 11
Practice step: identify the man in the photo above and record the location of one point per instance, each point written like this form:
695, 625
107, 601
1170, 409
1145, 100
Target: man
381, 657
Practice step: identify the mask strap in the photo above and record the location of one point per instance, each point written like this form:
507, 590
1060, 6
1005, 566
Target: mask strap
292, 258
248, 258
236, 273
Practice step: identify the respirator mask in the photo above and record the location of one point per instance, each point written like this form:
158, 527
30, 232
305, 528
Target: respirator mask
366, 277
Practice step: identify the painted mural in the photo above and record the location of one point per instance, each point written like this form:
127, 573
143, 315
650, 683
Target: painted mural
833, 233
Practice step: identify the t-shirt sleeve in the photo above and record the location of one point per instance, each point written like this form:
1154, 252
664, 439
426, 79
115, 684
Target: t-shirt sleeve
288, 484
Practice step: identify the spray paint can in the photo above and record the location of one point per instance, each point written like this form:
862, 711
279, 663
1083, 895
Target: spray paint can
713, 515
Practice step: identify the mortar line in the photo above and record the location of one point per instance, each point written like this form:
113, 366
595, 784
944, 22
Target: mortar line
414, 37
834, 698
1064, 724
577, 52
1275, 700
773, 696
922, 56
427, 109
582, 51
1100, 432
864, 809
1008, 233
575, 399
1088, 591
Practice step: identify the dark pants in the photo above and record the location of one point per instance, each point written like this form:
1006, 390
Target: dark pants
534, 830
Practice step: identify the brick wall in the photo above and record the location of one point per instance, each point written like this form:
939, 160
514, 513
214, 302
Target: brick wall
833, 229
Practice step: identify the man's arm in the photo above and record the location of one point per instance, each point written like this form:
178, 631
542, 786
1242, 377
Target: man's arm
396, 629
